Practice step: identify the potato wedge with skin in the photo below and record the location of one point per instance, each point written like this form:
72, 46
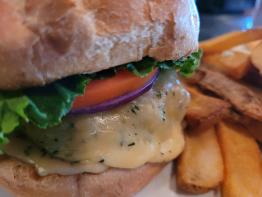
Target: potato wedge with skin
255, 129
256, 57
229, 40
233, 63
204, 111
254, 77
242, 162
200, 167
244, 98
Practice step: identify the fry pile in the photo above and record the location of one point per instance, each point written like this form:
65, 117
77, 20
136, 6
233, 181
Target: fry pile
224, 119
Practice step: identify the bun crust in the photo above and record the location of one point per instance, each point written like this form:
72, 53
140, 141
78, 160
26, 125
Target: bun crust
22, 180
45, 40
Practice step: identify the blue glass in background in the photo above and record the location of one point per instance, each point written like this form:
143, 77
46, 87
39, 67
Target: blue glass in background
221, 16
258, 14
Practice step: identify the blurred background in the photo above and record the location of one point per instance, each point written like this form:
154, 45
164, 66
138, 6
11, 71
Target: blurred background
220, 16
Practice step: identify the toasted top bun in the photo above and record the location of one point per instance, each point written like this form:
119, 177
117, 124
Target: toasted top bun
21, 180
45, 40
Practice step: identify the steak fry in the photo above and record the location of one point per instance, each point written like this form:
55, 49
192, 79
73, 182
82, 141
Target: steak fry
256, 57
200, 166
232, 63
229, 40
242, 162
243, 98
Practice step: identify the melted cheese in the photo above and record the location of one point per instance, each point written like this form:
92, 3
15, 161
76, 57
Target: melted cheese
147, 129
44, 164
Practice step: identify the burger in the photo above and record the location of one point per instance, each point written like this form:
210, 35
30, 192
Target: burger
90, 98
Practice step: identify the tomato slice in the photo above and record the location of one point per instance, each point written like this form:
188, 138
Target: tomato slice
99, 91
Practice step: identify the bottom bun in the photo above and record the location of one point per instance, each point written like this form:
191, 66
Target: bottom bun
22, 180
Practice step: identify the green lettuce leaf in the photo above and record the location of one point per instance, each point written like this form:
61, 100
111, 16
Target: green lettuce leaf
186, 66
44, 107
49, 104
12, 113
143, 67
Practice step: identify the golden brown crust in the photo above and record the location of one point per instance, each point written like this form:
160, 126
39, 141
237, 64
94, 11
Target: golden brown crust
22, 180
45, 40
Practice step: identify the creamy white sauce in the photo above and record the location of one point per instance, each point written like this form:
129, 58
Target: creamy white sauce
147, 129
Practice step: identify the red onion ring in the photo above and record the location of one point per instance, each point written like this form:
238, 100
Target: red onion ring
115, 102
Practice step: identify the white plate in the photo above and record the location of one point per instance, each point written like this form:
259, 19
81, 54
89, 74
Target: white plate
162, 185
